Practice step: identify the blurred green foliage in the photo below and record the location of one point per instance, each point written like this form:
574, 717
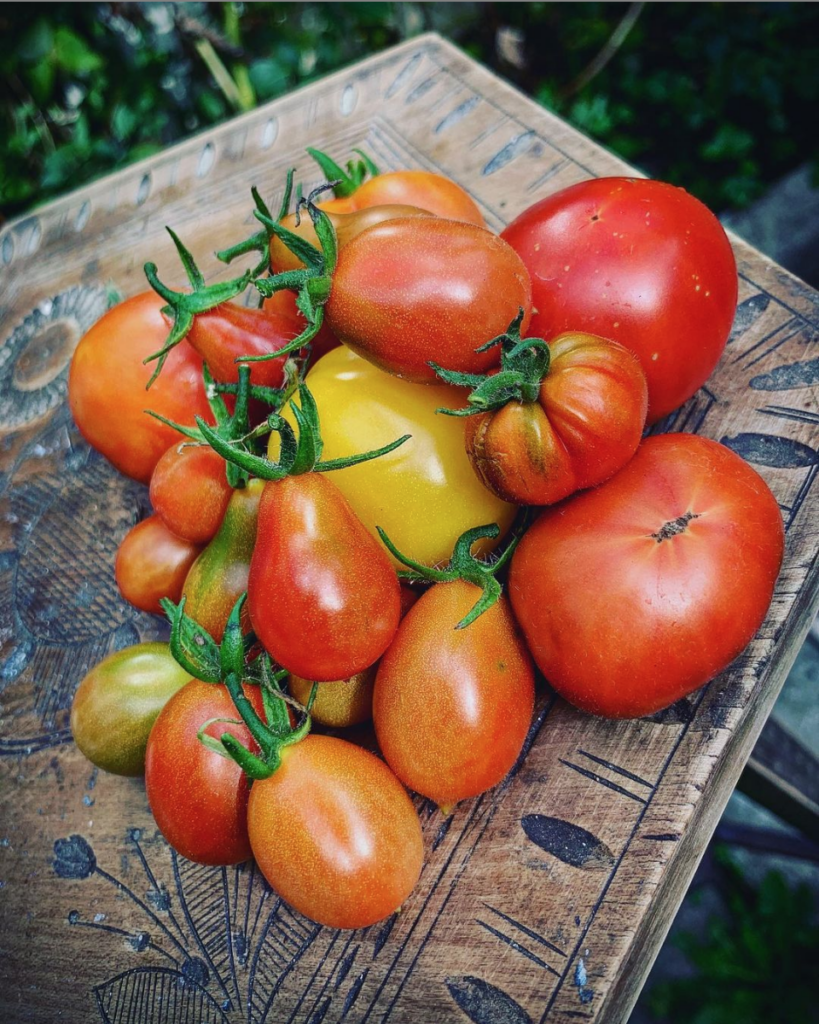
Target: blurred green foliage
755, 965
718, 97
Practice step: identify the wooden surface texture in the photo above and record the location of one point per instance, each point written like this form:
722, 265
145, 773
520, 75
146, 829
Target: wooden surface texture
544, 900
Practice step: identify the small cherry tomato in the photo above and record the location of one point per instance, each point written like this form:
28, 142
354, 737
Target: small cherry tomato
585, 424
425, 493
452, 707
410, 291
335, 834
322, 595
641, 262
197, 796
106, 386
219, 575
638, 592
153, 563
190, 492
117, 703
338, 704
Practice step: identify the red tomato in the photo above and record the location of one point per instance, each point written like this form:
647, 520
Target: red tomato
106, 386
335, 834
638, 592
230, 331
641, 262
585, 425
452, 707
409, 291
153, 563
432, 192
323, 597
198, 797
189, 491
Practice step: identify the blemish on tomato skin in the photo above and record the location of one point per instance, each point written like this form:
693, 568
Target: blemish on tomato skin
655, 356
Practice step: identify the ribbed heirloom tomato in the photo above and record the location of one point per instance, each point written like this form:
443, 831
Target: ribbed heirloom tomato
637, 261
637, 592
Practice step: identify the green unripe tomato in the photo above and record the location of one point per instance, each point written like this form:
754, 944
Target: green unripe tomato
118, 701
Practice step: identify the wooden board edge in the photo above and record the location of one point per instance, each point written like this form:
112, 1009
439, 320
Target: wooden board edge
654, 926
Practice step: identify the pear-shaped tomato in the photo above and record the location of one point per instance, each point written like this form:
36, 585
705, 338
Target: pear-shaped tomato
452, 707
322, 594
219, 575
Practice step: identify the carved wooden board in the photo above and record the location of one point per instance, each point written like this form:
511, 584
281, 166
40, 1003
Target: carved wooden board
544, 900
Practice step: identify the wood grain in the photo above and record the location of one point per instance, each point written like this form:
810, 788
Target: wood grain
543, 900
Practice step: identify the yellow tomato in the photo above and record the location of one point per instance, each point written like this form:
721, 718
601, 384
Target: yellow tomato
424, 494
340, 704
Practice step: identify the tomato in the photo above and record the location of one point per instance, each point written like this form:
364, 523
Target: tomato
433, 192
424, 494
106, 386
410, 291
585, 425
117, 703
219, 575
636, 593
198, 797
347, 226
152, 563
452, 707
341, 703
637, 261
335, 834
322, 595
189, 491
229, 331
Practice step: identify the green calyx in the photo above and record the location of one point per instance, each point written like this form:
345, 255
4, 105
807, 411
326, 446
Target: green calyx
347, 181
230, 662
298, 455
524, 364
260, 241
313, 281
235, 426
183, 307
463, 566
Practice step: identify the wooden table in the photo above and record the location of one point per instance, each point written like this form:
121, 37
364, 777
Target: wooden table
543, 900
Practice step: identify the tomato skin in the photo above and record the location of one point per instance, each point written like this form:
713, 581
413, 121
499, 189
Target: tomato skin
409, 291
432, 192
638, 261
189, 491
623, 624
424, 494
347, 227
219, 575
229, 331
198, 798
106, 386
585, 425
341, 703
322, 595
452, 707
335, 834
119, 700
153, 563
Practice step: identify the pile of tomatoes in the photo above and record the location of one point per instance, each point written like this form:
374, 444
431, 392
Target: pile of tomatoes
347, 470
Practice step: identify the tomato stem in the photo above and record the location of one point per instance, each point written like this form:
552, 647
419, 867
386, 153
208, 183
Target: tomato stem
462, 566
524, 365
351, 179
